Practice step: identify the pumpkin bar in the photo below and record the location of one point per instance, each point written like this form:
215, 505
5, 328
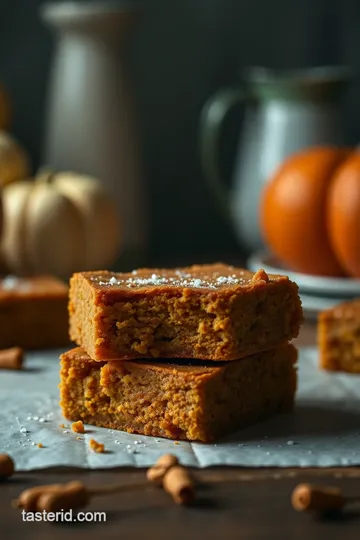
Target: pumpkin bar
339, 337
211, 312
188, 400
33, 312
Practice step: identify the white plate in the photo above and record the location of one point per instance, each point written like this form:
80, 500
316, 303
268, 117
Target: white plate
336, 288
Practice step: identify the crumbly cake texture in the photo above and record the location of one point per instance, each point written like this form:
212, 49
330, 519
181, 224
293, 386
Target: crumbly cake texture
211, 312
33, 312
189, 401
339, 337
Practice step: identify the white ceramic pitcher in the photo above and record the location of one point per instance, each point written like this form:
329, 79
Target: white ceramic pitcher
285, 112
90, 116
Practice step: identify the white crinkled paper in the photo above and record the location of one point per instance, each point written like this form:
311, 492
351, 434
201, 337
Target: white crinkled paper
324, 429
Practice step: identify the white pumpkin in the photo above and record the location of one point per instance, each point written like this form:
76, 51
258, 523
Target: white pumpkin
14, 161
58, 224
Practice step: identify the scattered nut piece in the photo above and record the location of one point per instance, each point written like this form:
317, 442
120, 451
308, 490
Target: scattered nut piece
28, 499
317, 499
96, 446
78, 427
179, 484
7, 466
11, 358
157, 471
174, 478
40, 445
70, 497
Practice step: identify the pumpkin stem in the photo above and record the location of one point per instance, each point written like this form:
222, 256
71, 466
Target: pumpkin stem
45, 176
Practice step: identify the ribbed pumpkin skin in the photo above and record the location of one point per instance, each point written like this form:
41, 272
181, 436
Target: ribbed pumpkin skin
59, 224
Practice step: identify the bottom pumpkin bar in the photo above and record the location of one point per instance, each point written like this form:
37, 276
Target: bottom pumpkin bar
186, 400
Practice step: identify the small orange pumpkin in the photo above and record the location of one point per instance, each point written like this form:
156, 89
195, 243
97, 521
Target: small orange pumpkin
293, 212
343, 214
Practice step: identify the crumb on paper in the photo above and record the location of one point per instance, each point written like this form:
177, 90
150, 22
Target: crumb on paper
62, 426
96, 446
176, 442
79, 438
78, 427
40, 445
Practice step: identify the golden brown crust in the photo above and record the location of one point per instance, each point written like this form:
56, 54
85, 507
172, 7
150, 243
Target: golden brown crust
188, 401
212, 312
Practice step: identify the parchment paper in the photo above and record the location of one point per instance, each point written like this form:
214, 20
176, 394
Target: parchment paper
324, 429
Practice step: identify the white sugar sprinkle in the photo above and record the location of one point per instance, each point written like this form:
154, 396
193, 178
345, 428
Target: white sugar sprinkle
65, 431
23, 430
290, 443
179, 279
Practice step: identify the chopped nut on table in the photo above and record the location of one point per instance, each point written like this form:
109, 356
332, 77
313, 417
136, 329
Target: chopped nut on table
12, 358
174, 478
317, 499
7, 466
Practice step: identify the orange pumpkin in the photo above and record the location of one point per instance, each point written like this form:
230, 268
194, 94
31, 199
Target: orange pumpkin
300, 226
343, 214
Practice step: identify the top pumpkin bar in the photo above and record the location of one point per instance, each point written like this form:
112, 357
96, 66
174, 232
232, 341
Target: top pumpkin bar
210, 312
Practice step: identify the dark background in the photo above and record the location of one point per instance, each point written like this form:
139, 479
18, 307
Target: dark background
181, 52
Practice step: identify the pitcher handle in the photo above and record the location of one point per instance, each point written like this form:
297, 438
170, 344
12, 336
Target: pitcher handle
211, 119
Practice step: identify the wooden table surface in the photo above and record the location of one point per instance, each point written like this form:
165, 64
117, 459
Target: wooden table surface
234, 503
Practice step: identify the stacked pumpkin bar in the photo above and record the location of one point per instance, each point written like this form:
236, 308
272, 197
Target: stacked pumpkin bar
190, 353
